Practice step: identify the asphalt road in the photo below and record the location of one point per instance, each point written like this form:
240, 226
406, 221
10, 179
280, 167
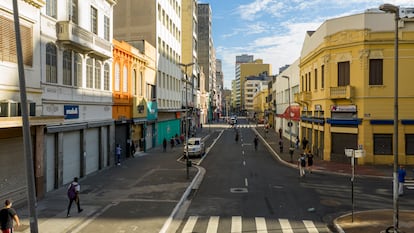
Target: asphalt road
251, 191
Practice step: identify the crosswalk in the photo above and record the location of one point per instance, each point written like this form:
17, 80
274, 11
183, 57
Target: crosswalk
239, 224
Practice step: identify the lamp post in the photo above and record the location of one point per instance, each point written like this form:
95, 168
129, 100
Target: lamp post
389, 8
186, 118
290, 116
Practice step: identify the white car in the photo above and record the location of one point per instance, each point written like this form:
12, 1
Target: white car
196, 147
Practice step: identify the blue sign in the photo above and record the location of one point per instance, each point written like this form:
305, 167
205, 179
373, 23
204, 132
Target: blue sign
71, 111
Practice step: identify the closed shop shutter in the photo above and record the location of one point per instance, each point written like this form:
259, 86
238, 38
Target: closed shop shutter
340, 142
50, 162
71, 155
92, 150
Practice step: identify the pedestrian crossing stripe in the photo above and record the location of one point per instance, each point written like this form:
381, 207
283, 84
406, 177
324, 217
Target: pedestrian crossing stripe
260, 223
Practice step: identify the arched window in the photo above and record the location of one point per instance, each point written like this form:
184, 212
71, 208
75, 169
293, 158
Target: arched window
77, 78
97, 75
67, 67
134, 82
51, 63
140, 83
117, 83
106, 77
89, 73
125, 79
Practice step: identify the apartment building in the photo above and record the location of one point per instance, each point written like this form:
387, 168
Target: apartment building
159, 23
347, 88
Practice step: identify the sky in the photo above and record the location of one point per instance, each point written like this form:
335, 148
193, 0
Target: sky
274, 30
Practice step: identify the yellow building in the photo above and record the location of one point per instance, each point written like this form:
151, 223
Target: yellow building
259, 103
347, 88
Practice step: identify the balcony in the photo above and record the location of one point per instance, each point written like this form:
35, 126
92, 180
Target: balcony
342, 92
303, 97
71, 34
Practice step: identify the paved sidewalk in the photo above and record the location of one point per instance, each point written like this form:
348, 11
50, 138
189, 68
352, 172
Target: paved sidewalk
147, 187
373, 221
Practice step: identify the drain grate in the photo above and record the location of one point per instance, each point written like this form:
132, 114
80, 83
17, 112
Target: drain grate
239, 190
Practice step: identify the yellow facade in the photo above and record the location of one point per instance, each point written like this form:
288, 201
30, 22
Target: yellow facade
260, 105
358, 113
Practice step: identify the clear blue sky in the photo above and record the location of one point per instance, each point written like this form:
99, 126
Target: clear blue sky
274, 30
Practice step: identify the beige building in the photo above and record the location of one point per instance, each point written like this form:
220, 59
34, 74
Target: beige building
347, 88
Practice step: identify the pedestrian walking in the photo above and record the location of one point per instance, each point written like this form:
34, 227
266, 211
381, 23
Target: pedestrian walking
309, 156
297, 142
73, 195
164, 145
7, 216
118, 151
280, 133
401, 179
304, 143
281, 146
256, 142
172, 142
302, 165
237, 136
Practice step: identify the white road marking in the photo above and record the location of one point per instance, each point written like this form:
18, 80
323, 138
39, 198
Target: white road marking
213, 224
310, 226
189, 226
286, 228
261, 225
236, 224
244, 163
246, 183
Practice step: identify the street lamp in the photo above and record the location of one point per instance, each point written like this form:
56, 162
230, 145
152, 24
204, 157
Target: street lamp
389, 8
186, 117
290, 115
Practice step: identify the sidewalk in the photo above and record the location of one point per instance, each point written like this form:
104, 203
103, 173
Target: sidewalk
148, 187
374, 221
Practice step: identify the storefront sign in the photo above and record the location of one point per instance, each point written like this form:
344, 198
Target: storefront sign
343, 108
71, 111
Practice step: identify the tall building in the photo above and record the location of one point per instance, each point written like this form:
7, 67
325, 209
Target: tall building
191, 91
243, 70
219, 87
244, 58
347, 88
206, 56
159, 23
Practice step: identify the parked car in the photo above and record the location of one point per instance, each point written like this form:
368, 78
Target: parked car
233, 120
196, 147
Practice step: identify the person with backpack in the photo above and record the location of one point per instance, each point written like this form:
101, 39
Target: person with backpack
256, 142
302, 165
73, 195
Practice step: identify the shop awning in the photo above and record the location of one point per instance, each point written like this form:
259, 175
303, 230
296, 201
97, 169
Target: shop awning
292, 112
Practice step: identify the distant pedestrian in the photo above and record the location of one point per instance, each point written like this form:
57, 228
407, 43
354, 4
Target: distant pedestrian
73, 195
401, 179
133, 150
164, 145
172, 142
281, 146
237, 136
304, 143
309, 156
280, 133
302, 165
256, 142
297, 142
7, 215
118, 151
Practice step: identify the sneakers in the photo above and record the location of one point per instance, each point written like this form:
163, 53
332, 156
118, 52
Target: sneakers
80, 210
68, 215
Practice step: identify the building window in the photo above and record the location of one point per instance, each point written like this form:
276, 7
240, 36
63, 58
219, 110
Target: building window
74, 12
94, 20
125, 79
382, 144
151, 92
106, 28
97, 75
323, 76
316, 79
375, 72
106, 77
117, 80
77, 78
51, 63
343, 74
409, 144
67, 67
51, 8
89, 73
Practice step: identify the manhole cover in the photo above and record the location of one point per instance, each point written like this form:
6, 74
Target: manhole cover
238, 190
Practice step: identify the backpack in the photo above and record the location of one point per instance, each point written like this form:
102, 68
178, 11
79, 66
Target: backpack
72, 191
302, 162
